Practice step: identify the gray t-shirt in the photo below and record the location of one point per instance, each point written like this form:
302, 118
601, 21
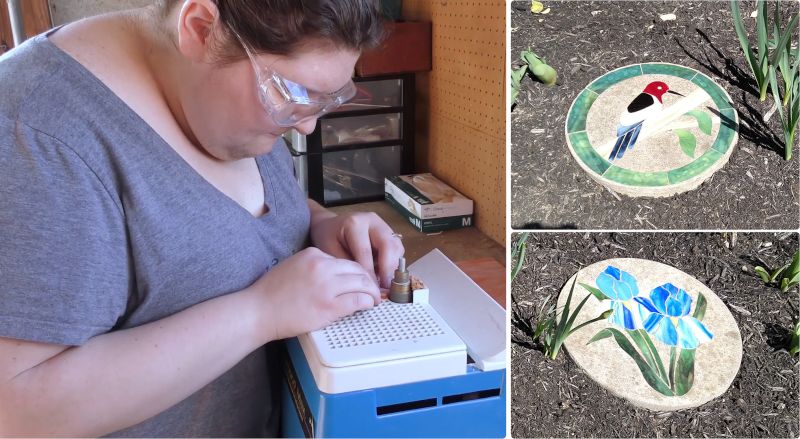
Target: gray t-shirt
103, 226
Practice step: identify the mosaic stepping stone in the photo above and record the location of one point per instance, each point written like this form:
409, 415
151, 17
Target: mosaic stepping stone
652, 130
666, 341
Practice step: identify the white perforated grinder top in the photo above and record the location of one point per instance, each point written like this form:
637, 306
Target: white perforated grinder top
390, 331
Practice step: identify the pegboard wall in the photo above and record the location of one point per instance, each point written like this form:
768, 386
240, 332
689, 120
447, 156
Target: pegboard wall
460, 103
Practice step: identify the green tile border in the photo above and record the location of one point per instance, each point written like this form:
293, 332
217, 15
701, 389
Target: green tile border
695, 168
589, 156
635, 178
579, 141
576, 119
669, 69
602, 83
727, 134
715, 91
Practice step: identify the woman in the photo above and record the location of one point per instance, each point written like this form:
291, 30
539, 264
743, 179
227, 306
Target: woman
151, 232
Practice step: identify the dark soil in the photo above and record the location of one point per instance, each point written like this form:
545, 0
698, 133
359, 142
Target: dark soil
556, 399
756, 189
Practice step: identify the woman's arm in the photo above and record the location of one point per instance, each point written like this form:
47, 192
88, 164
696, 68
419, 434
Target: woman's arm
121, 378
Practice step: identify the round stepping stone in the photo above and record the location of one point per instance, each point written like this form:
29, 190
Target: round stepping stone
633, 134
665, 307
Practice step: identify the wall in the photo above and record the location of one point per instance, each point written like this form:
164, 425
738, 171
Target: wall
460, 103
65, 11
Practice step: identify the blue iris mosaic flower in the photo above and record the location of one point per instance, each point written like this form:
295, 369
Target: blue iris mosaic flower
621, 288
669, 320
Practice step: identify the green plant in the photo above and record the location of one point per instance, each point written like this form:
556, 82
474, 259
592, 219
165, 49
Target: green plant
794, 342
760, 61
784, 277
516, 79
518, 255
554, 329
765, 66
539, 70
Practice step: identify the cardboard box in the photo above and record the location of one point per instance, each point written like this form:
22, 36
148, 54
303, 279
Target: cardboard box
406, 49
428, 204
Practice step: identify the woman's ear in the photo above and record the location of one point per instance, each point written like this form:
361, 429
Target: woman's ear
196, 21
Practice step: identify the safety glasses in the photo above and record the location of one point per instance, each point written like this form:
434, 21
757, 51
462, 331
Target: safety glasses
289, 103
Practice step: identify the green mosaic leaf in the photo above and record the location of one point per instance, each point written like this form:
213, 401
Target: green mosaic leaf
684, 372
700, 308
687, 140
703, 121
649, 373
645, 344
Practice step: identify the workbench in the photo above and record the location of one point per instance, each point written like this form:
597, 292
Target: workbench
480, 257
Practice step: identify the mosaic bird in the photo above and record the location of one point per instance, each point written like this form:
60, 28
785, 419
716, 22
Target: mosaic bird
646, 105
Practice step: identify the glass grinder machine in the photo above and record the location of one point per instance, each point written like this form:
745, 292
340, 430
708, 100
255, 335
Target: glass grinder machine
430, 362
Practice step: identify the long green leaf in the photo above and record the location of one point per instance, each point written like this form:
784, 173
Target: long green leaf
794, 267
595, 291
703, 121
519, 253
687, 140
575, 315
602, 316
565, 311
780, 48
649, 374
672, 368
763, 274
520, 261
643, 342
684, 372
777, 275
761, 32
738, 25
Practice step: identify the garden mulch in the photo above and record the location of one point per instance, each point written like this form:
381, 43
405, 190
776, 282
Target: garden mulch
756, 189
555, 398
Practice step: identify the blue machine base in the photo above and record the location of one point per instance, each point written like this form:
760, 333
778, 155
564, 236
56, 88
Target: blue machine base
469, 405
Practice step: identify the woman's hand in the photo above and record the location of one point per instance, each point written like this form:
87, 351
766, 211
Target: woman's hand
311, 290
361, 237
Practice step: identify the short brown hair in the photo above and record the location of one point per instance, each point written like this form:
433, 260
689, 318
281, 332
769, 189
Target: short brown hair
281, 26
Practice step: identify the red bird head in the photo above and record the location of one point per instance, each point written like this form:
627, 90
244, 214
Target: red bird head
657, 89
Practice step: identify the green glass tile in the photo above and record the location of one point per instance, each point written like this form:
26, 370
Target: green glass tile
633, 178
727, 130
576, 120
613, 77
580, 144
668, 69
716, 93
695, 168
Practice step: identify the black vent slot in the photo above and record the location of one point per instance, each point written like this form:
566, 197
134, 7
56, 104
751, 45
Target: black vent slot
471, 396
405, 406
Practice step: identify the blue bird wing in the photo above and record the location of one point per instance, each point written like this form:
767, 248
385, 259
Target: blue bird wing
626, 139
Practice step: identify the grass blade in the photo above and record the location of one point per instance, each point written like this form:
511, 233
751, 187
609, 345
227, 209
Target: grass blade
780, 48
738, 25
763, 274
595, 292
575, 314
520, 261
602, 316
